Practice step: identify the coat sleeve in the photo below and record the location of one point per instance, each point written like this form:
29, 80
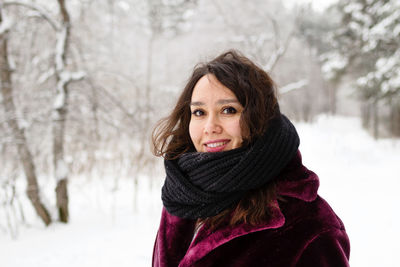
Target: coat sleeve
329, 249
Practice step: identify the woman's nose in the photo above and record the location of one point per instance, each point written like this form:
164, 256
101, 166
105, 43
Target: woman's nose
212, 125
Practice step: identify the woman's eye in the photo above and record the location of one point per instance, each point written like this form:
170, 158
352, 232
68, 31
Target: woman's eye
229, 110
197, 112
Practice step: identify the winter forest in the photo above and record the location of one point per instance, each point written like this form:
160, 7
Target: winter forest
83, 83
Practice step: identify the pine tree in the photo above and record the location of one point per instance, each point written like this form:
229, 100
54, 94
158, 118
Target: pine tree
366, 45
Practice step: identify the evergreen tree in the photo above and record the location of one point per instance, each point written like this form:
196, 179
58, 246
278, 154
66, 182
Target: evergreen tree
366, 45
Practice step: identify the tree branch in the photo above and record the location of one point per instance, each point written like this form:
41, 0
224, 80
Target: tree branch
43, 13
293, 86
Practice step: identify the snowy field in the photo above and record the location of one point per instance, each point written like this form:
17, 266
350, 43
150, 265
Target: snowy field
359, 178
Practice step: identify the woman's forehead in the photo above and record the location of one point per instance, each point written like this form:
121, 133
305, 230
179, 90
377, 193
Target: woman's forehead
209, 88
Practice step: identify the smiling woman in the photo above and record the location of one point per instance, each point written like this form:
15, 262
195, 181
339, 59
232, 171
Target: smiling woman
215, 122
236, 192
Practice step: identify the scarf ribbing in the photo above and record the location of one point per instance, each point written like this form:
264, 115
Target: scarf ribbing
202, 184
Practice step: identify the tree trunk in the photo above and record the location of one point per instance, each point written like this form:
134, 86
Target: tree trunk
59, 116
147, 110
366, 114
61, 173
395, 118
333, 97
375, 119
62, 200
18, 133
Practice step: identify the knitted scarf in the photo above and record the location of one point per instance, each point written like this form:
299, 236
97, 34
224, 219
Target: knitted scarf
202, 184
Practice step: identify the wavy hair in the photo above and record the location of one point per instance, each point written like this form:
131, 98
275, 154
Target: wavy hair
252, 86
256, 92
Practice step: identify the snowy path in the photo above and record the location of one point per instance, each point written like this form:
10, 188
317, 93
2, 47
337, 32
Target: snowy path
359, 178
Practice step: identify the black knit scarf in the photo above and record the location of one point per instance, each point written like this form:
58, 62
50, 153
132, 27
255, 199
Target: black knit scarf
202, 184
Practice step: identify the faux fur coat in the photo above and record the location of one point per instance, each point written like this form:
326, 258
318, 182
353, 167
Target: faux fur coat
303, 231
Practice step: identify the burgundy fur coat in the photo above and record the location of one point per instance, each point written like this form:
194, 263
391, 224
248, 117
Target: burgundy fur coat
303, 231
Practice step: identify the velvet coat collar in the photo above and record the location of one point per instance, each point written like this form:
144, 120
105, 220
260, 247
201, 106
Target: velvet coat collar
174, 245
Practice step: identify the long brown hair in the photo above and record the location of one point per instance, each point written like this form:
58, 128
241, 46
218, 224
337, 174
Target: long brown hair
256, 92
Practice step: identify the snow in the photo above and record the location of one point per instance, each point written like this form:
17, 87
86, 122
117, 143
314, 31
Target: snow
45, 76
37, 9
11, 63
359, 178
317, 5
188, 14
5, 25
332, 62
293, 86
60, 49
61, 170
103, 231
396, 30
67, 76
352, 7
387, 73
274, 57
124, 5
59, 100
381, 28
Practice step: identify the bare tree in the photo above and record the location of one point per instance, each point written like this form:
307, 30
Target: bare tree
269, 41
163, 17
60, 109
17, 131
60, 105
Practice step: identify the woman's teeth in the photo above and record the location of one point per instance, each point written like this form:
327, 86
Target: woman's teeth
216, 144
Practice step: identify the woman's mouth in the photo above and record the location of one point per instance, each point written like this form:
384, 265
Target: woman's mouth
216, 146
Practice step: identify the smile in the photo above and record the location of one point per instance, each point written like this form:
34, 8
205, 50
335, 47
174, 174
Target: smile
216, 146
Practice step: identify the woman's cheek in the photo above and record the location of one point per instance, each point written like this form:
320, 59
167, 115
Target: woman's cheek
194, 132
234, 128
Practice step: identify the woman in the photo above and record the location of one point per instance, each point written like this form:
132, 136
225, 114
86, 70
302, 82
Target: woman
236, 192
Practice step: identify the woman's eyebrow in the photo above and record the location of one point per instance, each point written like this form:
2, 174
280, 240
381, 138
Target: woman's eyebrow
196, 103
227, 101
220, 102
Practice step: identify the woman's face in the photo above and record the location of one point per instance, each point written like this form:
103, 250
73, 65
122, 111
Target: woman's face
215, 121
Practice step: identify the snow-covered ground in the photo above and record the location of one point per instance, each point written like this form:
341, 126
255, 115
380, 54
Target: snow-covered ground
359, 178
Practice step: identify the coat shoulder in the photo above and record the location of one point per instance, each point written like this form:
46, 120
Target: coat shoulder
320, 232
317, 216
311, 236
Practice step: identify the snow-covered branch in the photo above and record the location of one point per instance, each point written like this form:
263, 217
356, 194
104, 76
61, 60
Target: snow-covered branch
43, 13
65, 77
61, 170
60, 49
333, 63
5, 25
280, 49
293, 86
276, 32
273, 59
45, 75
